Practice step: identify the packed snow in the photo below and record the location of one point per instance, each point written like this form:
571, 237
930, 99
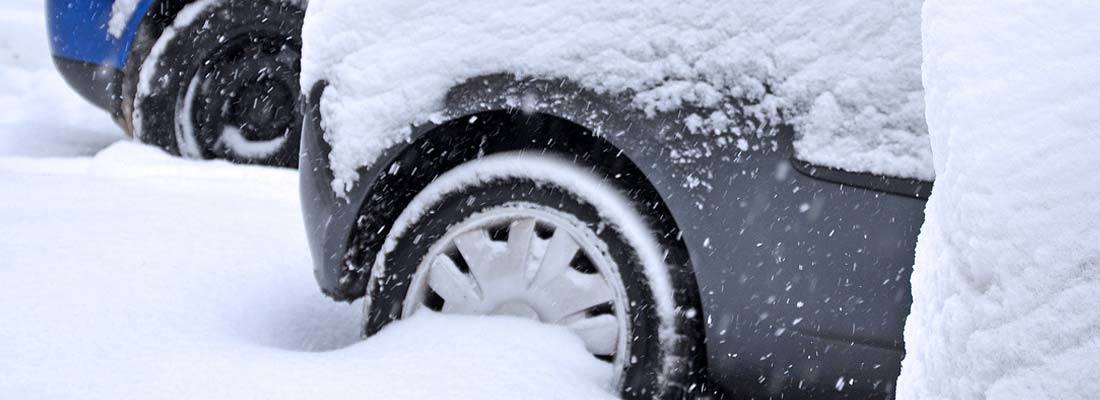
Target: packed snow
845, 73
128, 273
1006, 287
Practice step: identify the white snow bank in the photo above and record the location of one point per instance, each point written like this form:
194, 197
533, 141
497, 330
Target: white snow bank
846, 72
41, 114
137, 275
1006, 286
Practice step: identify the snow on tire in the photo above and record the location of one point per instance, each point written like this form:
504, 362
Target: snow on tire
536, 236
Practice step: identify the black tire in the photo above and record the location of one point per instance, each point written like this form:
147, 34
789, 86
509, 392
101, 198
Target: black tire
223, 85
662, 368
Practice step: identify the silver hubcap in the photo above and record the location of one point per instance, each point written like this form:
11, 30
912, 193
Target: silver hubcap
528, 261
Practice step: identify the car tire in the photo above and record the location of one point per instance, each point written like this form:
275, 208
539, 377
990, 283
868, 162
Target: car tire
515, 200
221, 82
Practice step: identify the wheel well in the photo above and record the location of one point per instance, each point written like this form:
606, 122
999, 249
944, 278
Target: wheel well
470, 137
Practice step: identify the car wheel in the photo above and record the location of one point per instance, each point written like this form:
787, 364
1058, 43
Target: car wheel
536, 237
222, 82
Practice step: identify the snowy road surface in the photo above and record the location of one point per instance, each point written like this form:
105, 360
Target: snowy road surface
125, 273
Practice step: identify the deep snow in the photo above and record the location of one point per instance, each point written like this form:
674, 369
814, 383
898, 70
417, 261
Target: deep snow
846, 73
126, 273
1006, 286
132, 274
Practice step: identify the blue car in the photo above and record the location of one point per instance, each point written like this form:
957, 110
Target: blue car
201, 79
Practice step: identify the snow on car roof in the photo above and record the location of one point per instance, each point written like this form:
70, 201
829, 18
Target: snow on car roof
845, 74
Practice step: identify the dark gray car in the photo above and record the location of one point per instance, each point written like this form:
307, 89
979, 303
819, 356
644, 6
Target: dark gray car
764, 275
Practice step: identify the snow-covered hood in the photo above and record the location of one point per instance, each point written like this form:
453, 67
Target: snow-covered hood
845, 73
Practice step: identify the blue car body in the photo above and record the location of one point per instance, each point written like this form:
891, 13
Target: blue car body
78, 31
91, 59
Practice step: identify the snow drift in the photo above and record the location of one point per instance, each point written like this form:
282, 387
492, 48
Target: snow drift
133, 274
1006, 286
845, 73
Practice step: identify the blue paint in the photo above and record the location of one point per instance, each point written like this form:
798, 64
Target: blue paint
78, 31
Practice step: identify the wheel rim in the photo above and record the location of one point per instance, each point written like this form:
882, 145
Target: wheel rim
533, 262
240, 103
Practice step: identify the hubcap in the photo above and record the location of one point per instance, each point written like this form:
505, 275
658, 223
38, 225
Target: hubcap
532, 262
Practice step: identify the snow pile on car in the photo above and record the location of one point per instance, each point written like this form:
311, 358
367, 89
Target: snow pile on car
846, 73
1006, 286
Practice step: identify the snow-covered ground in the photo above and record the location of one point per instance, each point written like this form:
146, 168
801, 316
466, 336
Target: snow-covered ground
1006, 286
41, 115
126, 273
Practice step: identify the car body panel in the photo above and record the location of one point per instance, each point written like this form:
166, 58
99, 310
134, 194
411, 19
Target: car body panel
804, 282
78, 31
87, 55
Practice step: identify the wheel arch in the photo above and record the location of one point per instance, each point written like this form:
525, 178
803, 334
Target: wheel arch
483, 115
468, 137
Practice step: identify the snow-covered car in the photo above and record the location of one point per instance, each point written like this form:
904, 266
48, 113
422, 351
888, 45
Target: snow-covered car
199, 78
703, 192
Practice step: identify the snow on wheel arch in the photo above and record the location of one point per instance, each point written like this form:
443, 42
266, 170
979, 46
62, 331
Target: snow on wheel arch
616, 209
845, 73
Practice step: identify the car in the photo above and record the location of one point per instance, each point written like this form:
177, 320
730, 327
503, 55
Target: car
592, 166
202, 79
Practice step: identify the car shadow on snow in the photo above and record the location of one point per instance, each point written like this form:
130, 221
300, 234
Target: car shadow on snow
313, 323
